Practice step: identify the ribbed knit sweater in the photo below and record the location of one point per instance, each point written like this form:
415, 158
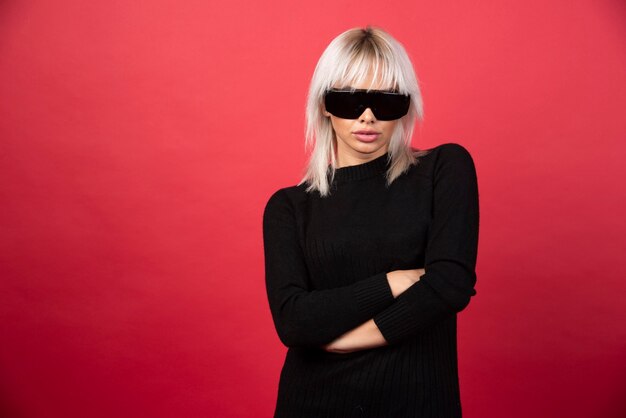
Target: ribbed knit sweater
326, 260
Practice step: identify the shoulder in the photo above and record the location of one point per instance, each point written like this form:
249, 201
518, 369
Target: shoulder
452, 151
285, 201
452, 155
446, 157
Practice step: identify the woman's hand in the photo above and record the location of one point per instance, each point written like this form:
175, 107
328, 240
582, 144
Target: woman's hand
365, 336
401, 280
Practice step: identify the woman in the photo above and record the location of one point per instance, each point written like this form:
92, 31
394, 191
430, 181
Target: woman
371, 256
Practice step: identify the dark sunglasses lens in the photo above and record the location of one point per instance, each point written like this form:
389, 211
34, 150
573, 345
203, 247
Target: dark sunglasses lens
343, 105
350, 105
390, 106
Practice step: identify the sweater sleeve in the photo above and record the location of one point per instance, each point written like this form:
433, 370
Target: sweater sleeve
451, 251
304, 316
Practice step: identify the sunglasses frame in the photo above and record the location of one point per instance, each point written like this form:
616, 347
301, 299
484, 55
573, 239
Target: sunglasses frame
372, 99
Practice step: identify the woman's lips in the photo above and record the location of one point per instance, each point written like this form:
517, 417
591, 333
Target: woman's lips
366, 136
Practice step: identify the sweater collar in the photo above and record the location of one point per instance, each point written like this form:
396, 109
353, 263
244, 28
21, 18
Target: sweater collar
373, 168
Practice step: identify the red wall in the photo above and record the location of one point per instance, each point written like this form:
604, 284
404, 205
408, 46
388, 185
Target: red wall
139, 142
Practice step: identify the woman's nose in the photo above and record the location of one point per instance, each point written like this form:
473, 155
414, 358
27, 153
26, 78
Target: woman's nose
367, 116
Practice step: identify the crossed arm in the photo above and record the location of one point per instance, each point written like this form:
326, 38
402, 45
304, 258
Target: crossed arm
363, 337
367, 335
370, 313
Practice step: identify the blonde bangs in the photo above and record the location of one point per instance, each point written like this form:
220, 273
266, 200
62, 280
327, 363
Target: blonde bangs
364, 57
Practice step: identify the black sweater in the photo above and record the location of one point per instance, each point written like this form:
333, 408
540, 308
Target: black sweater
326, 261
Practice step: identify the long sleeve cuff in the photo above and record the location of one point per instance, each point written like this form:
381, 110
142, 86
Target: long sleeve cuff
374, 294
413, 310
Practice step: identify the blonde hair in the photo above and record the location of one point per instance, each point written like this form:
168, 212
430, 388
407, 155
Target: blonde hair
348, 60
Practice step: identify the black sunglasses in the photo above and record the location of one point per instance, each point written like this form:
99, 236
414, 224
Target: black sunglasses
350, 104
